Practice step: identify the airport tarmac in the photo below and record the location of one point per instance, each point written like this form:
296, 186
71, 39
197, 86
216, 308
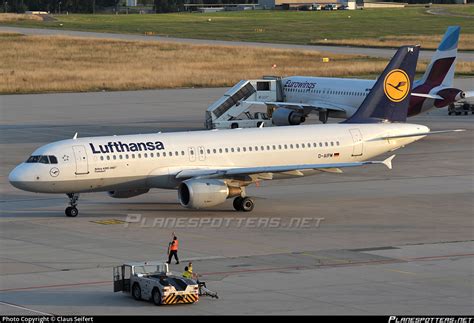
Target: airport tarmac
366, 51
369, 241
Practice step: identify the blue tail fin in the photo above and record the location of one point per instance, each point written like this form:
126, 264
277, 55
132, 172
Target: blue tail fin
389, 98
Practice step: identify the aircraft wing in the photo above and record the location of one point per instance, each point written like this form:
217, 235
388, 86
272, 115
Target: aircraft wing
416, 134
245, 171
309, 107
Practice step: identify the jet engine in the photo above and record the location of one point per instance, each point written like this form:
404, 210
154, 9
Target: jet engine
287, 117
202, 193
127, 194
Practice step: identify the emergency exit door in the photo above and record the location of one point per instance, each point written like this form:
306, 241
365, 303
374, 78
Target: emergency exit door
82, 164
358, 143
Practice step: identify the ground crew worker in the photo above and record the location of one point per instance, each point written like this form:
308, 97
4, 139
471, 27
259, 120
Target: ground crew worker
173, 249
187, 274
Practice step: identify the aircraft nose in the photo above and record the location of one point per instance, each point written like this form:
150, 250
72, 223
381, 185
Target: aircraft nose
18, 178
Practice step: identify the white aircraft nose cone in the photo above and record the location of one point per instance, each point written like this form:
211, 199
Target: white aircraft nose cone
17, 178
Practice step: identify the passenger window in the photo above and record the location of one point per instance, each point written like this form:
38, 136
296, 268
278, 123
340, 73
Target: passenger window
232, 149
256, 148
320, 144
220, 150
250, 148
268, 147
120, 156
326, 143
108, 157
302, 146
133, 156
274, 147
157, 154
291, 146
315, 145
227, 150
208, 151
279, 147
244, 149
238, 149
145, 155
176, 153
101, 157
214, 151
115, 157
182, 153
139, 155
151, 155
297, 146
164, 153
126, 156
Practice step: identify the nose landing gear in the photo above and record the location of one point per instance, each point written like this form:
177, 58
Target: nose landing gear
72, 211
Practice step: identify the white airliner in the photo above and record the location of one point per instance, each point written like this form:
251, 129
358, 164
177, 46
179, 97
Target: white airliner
340, 97
208, 167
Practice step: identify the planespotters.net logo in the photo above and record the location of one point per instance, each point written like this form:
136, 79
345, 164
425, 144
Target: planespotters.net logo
421, 319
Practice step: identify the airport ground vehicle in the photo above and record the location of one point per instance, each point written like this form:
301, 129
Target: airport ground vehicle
153, 281
461, 107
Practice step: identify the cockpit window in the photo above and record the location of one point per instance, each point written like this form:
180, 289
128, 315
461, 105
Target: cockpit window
33, 159
42, 159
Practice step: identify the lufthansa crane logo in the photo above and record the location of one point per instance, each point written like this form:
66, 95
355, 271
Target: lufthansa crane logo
396, 85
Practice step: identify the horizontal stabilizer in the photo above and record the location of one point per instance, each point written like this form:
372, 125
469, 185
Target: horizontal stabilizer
428, 96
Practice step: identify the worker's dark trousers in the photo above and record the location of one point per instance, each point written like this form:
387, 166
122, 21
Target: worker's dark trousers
175, 254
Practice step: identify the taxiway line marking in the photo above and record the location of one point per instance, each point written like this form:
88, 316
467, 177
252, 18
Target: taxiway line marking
387, 261
25, 308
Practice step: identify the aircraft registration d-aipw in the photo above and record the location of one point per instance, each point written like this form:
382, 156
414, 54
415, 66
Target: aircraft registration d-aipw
208, 167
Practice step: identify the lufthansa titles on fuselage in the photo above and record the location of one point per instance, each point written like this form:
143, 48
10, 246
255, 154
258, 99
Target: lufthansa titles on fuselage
120, 147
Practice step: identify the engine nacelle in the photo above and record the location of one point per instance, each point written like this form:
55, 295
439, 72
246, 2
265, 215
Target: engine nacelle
127, 194
202, 193
287, 117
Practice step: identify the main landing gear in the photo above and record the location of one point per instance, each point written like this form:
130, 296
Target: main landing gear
244, 204
71, 210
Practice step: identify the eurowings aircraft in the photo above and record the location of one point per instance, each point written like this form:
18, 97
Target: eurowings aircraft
209, 167
340, 97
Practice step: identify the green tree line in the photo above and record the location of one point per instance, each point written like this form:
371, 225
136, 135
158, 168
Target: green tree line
91, 6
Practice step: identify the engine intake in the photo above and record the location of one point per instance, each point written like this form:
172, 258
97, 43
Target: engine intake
287, 117
202, 193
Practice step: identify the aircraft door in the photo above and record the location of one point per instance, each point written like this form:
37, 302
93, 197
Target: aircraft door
82, 164
358, 143
202, 153
192, 154
122, 276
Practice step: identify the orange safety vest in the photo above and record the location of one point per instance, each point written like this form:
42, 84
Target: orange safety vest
174, 245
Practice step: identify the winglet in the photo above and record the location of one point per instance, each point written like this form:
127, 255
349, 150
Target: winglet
388, 162
75, 136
